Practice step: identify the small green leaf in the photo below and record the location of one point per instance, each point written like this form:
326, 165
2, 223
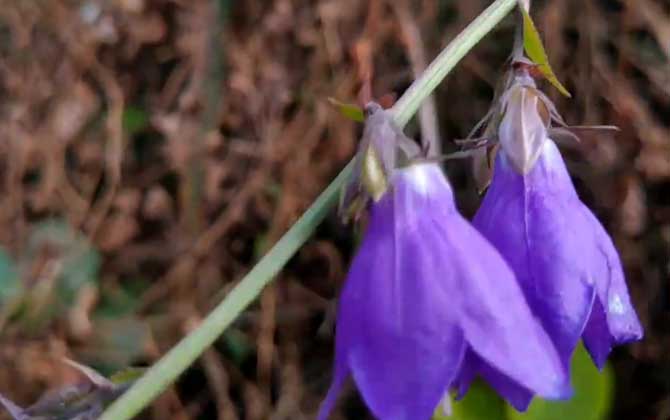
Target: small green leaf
261, 245
91, 374
350, 111
238, 345
127, 375
480, 403
121, 299
532, 44
79, 261
10, 283
592, 399
117, 342
80, 269
134, 120
76, 265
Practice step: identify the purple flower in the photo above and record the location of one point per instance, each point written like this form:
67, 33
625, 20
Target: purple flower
429, 302
563, 259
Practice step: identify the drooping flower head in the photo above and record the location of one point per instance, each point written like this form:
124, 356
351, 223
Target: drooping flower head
563, 258
428, 301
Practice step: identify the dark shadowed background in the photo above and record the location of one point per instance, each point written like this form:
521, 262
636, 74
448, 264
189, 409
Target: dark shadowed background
152, 150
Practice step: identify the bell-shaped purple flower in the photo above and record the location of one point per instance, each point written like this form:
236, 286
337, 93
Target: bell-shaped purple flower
563, 259
428, 301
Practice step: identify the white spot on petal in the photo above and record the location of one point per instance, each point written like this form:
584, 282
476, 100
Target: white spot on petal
425, 178
616, 305
445, 406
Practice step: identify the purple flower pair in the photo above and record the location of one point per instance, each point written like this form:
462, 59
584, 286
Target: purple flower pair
431, 302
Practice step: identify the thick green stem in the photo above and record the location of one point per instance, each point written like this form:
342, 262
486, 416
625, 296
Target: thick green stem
180, 357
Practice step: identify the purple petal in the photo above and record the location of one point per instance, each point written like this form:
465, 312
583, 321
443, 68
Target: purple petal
622, 320
517, 395
535, 222
613, 319
14, 410
495, 317
596, 337
563, 258
470, 368
492, 310
340, 376
402, 343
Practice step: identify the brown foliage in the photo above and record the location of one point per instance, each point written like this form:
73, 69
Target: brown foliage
182, 138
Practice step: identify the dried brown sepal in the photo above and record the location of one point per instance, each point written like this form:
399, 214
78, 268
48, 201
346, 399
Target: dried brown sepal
521, 119
72, 402
96, 379
483, 167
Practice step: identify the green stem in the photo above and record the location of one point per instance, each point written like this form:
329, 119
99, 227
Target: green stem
410, 101
181, 356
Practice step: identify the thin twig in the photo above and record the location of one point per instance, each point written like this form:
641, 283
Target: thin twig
414, 45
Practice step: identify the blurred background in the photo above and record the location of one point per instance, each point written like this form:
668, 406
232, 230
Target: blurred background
152, 150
